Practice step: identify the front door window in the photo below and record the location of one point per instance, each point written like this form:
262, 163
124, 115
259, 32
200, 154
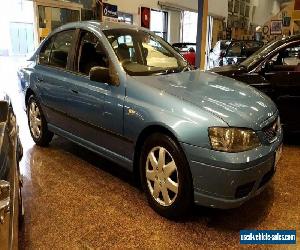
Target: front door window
91, 54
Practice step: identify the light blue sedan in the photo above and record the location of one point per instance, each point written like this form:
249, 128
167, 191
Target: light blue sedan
126, 94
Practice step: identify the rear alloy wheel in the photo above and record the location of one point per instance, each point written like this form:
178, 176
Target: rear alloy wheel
37, 123
166, 177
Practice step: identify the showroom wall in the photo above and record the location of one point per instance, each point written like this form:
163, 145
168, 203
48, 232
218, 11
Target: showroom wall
16, 27
174, 26
133, 5
218, 8
263, 10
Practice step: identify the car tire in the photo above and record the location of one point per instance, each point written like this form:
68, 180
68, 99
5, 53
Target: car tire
37, 123
166, 177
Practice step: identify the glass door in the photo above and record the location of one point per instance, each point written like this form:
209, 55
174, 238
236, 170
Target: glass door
51, 18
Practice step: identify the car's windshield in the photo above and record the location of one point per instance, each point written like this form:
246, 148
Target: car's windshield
142, 53
261, 53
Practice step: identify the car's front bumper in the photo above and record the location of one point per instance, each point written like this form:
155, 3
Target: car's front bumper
225, 180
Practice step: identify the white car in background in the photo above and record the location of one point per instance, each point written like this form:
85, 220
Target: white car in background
216, 54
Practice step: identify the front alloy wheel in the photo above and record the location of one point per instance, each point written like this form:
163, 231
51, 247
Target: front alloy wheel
166, 176
162, 176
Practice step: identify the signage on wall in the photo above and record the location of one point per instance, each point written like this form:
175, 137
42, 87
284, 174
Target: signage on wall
297, 5
276, 27
110, 12
145, 17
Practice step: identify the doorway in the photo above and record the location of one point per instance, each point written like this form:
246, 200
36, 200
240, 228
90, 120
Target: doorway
52, 14
22, 38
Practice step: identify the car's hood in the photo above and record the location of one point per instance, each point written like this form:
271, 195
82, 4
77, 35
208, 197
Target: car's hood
234, 102
225, 68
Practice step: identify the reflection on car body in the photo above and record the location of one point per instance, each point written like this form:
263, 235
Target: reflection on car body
275, 70
189, 135
232, 52
11, 205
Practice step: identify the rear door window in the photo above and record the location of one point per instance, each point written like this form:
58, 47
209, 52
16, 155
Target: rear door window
57, 49
234, 50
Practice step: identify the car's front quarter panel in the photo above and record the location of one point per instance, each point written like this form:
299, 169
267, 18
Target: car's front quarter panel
24, 78
219, 177
147, 106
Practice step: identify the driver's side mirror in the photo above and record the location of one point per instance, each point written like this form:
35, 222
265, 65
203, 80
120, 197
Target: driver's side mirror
99, 74
267, 66
3, 111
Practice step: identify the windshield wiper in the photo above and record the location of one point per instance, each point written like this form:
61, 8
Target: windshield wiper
166, 72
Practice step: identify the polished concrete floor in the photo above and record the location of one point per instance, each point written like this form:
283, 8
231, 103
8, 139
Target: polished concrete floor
75, 199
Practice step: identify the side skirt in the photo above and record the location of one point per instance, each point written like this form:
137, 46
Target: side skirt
116, 158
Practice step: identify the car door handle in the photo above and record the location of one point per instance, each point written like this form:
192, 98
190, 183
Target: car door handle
74, 91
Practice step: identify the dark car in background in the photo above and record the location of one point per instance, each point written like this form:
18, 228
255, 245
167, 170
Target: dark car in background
184, 47
275, 70
11, 205
232, 52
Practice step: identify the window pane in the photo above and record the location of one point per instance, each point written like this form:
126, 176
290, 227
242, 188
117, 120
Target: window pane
158, 23
291, 56
158, 56
235, 50
125, 49
45, 52
61, 48
189, 27
91, 54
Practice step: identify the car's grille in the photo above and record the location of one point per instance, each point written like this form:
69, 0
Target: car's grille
272, 130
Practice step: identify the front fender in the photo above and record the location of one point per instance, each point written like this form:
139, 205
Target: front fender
146, 106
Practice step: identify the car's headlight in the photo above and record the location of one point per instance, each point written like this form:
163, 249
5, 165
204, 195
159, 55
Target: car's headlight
233, 139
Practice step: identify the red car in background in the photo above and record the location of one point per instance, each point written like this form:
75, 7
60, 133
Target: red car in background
187, 50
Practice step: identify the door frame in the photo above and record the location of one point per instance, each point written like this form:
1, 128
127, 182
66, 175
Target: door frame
53, 4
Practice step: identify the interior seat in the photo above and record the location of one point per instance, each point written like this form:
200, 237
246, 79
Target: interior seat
88, 58
123, 52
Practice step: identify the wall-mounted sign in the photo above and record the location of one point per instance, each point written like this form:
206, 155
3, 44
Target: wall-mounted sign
110, 10
297, 5
145, 17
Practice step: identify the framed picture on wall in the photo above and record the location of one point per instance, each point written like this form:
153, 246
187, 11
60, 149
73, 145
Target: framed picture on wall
230, 6
236, 6
276, 27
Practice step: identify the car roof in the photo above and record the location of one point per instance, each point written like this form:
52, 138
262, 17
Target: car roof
291, 38
98, 25
184, 43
